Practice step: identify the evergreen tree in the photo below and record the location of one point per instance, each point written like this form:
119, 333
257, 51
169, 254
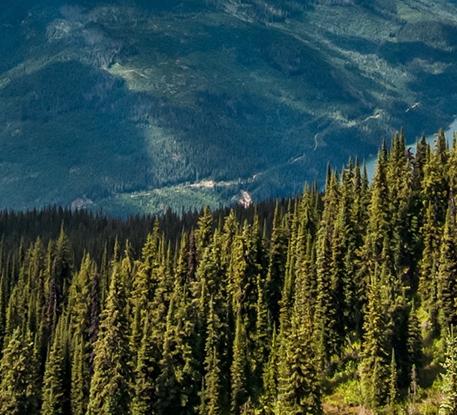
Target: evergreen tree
428, 281
447, 285
448, 405
109, 390
268, 399
211, 393
144, 386
393, 384
144, 284
414, 345
239, 390
19, 383
276, 266
55, 377
80, 378
330, 289
298, 382
178, 380
374, 366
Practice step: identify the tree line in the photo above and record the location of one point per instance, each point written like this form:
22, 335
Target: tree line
266, 310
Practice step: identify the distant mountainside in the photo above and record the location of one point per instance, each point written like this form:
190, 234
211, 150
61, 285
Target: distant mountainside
136, 106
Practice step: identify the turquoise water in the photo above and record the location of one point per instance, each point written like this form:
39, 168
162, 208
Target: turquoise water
371, 163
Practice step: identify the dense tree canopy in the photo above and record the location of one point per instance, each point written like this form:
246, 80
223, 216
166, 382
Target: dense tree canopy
339, 298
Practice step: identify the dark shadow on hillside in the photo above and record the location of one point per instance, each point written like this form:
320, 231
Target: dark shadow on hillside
72, 136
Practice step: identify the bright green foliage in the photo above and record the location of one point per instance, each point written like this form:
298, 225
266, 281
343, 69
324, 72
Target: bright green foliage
239, 392
144, 374
55, 378
179, 379
268, 400
109, 391
80, 311
19, 388
80, 377
428, 282
375, 363
144, 284
298, 381
448, 405
265, 310
211, 394
262, 334
204, 231
393, 384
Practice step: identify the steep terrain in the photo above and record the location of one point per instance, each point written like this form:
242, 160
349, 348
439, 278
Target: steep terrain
139, 106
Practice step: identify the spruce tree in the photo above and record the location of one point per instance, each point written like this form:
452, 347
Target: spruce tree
80, 376
145, 374
19, 382
239, 391
448, 405
211, 402
268, 399
393, 385
428, 280
447, 285
276, 266
109, 390
54, 393
298, 381
375, 354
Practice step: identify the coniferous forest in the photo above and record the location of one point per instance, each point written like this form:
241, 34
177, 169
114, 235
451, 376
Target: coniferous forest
334, 302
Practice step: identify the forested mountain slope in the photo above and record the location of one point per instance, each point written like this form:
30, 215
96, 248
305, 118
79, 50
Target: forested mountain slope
139, 105
337, 303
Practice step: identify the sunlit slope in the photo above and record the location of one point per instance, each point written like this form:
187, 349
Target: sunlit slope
186, 104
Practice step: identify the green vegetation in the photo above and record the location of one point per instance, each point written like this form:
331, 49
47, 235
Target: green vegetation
110, 100
334, 302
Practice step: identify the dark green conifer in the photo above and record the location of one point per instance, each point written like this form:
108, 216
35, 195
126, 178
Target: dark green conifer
145, 374
110, 390
211, 398
80, 376
428, 281
179, 380
276, 266
393, 385
375, 357
414, 344
54, 392
268, 399
298, 380
448, 405
447, 269
239, 391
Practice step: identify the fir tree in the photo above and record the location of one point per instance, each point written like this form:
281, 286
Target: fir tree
374, 366
268, 399
239, 390
448, 405
144, 397
54, 392
19, 387
447, 285
298, 382
211, 393
109, 390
